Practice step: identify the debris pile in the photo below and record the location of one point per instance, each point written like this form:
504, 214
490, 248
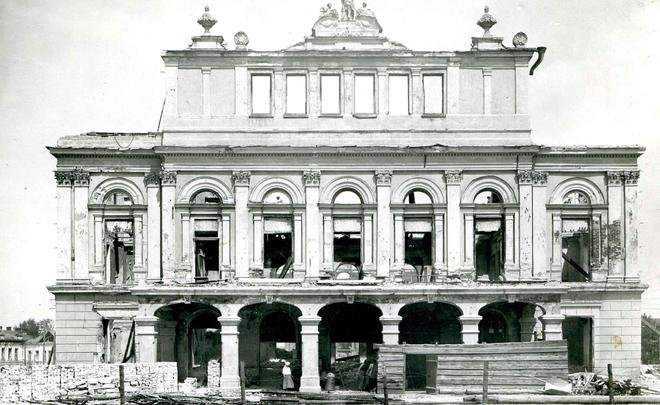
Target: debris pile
650, 378
586, 383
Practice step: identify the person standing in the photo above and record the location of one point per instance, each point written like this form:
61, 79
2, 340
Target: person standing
287, 380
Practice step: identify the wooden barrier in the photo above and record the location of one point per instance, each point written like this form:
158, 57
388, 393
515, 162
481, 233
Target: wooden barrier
512, 366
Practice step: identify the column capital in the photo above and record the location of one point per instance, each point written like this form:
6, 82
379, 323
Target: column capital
390, 319
80, 177
539, 178
229, 322
615, 178
240, 178
63, 178
309, 320
152, 179
632, 177
168, 177
383, 177
312, 178
525, 177
470, 319
453, 177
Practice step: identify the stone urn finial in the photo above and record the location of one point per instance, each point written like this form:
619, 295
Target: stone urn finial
486, 22
207, 21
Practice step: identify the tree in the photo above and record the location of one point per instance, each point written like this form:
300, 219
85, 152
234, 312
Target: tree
34, 328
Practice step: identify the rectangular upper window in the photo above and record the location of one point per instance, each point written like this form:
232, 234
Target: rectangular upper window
399, 95
433, 94
330, 94
365, 100
261, 94
296, 94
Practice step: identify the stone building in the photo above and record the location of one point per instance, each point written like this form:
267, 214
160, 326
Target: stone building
306, 203
16, 347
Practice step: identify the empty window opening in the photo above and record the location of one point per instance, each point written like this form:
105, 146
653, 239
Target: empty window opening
278, 247
277, 197
433, 94
118, 197
488, 197
399, 95
576, 197
119, 251
330, 94
578, 333
347, 197
365, 100
489, 249
204, 344
296, 94
418, 248
2, 356
206, 197
348, 248
416, 372
207, 245
575, 244
261, 94
418, 197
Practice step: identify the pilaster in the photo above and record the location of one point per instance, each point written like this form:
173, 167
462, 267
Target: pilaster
453, 180
64, 254
525, 224
152, 181
309, 335
390, 325
631, 227
470, 328
312, 180
145, 339
347, 94
241, 180
488, 92
417, 91
383, 93
80, 224
552, 326
384, 219
615, 226
540, 260
229, 380
439, 264
168, 246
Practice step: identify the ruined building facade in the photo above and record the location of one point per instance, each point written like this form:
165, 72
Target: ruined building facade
307, 203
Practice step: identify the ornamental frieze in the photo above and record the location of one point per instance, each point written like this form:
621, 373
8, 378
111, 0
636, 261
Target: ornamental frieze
241, 178
453, 176
312, 177
539, 178
63, 178
383, 177
80, 177
525, 177
168, 178
632, 178
615, 178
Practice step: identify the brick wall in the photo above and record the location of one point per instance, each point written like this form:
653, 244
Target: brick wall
22, 383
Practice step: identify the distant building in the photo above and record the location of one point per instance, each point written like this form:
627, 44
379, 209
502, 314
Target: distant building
17, 347
307, 203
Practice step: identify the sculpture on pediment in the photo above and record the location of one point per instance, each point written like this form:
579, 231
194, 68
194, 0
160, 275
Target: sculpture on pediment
365, 12
348, 11
329, 12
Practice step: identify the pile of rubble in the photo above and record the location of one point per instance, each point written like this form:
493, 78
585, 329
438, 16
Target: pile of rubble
587, 383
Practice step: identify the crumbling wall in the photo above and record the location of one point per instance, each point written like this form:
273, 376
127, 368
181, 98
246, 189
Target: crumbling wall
23, 383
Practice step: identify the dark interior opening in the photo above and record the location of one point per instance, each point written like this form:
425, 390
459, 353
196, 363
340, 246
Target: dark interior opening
206, 253
347, 248
578, 333
278, 252
415, 372
489, 251
419, 249
575, 254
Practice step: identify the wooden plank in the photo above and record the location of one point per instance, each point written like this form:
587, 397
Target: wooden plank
504, 365
510, 373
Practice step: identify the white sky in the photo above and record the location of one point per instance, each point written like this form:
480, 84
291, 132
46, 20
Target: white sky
76, 66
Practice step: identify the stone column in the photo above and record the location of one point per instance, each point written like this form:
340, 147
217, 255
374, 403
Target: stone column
312, 180
453, 87
540, 233
257, 240
509, 258
328, 240
187, 232
615, 234
145, 339
80, 224
348, 92
468, 247
206, 91
229, 380
384, 219
631, 228
597, 271
367, 242
439, 244
309, 335
99, 248
470, 328
298, 263
525, 225
383, 93
488, 79
390, 329
241, 181
226, 244
417, 92
64, 219
152, 181
453, 179
138, 267
314, 93
557, 260
168, 246
399, 241
552, 326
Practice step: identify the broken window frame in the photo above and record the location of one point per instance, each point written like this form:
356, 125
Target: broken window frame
255, 99
565, 258
115, 235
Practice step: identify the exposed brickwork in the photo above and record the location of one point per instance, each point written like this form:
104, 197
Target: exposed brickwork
39, 382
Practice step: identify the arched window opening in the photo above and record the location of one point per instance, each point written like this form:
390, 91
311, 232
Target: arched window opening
346, 197
206, 197
576, 197
575, 249
418, 197
489, 249
277, 196
488, 196
118, 197
119, 251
